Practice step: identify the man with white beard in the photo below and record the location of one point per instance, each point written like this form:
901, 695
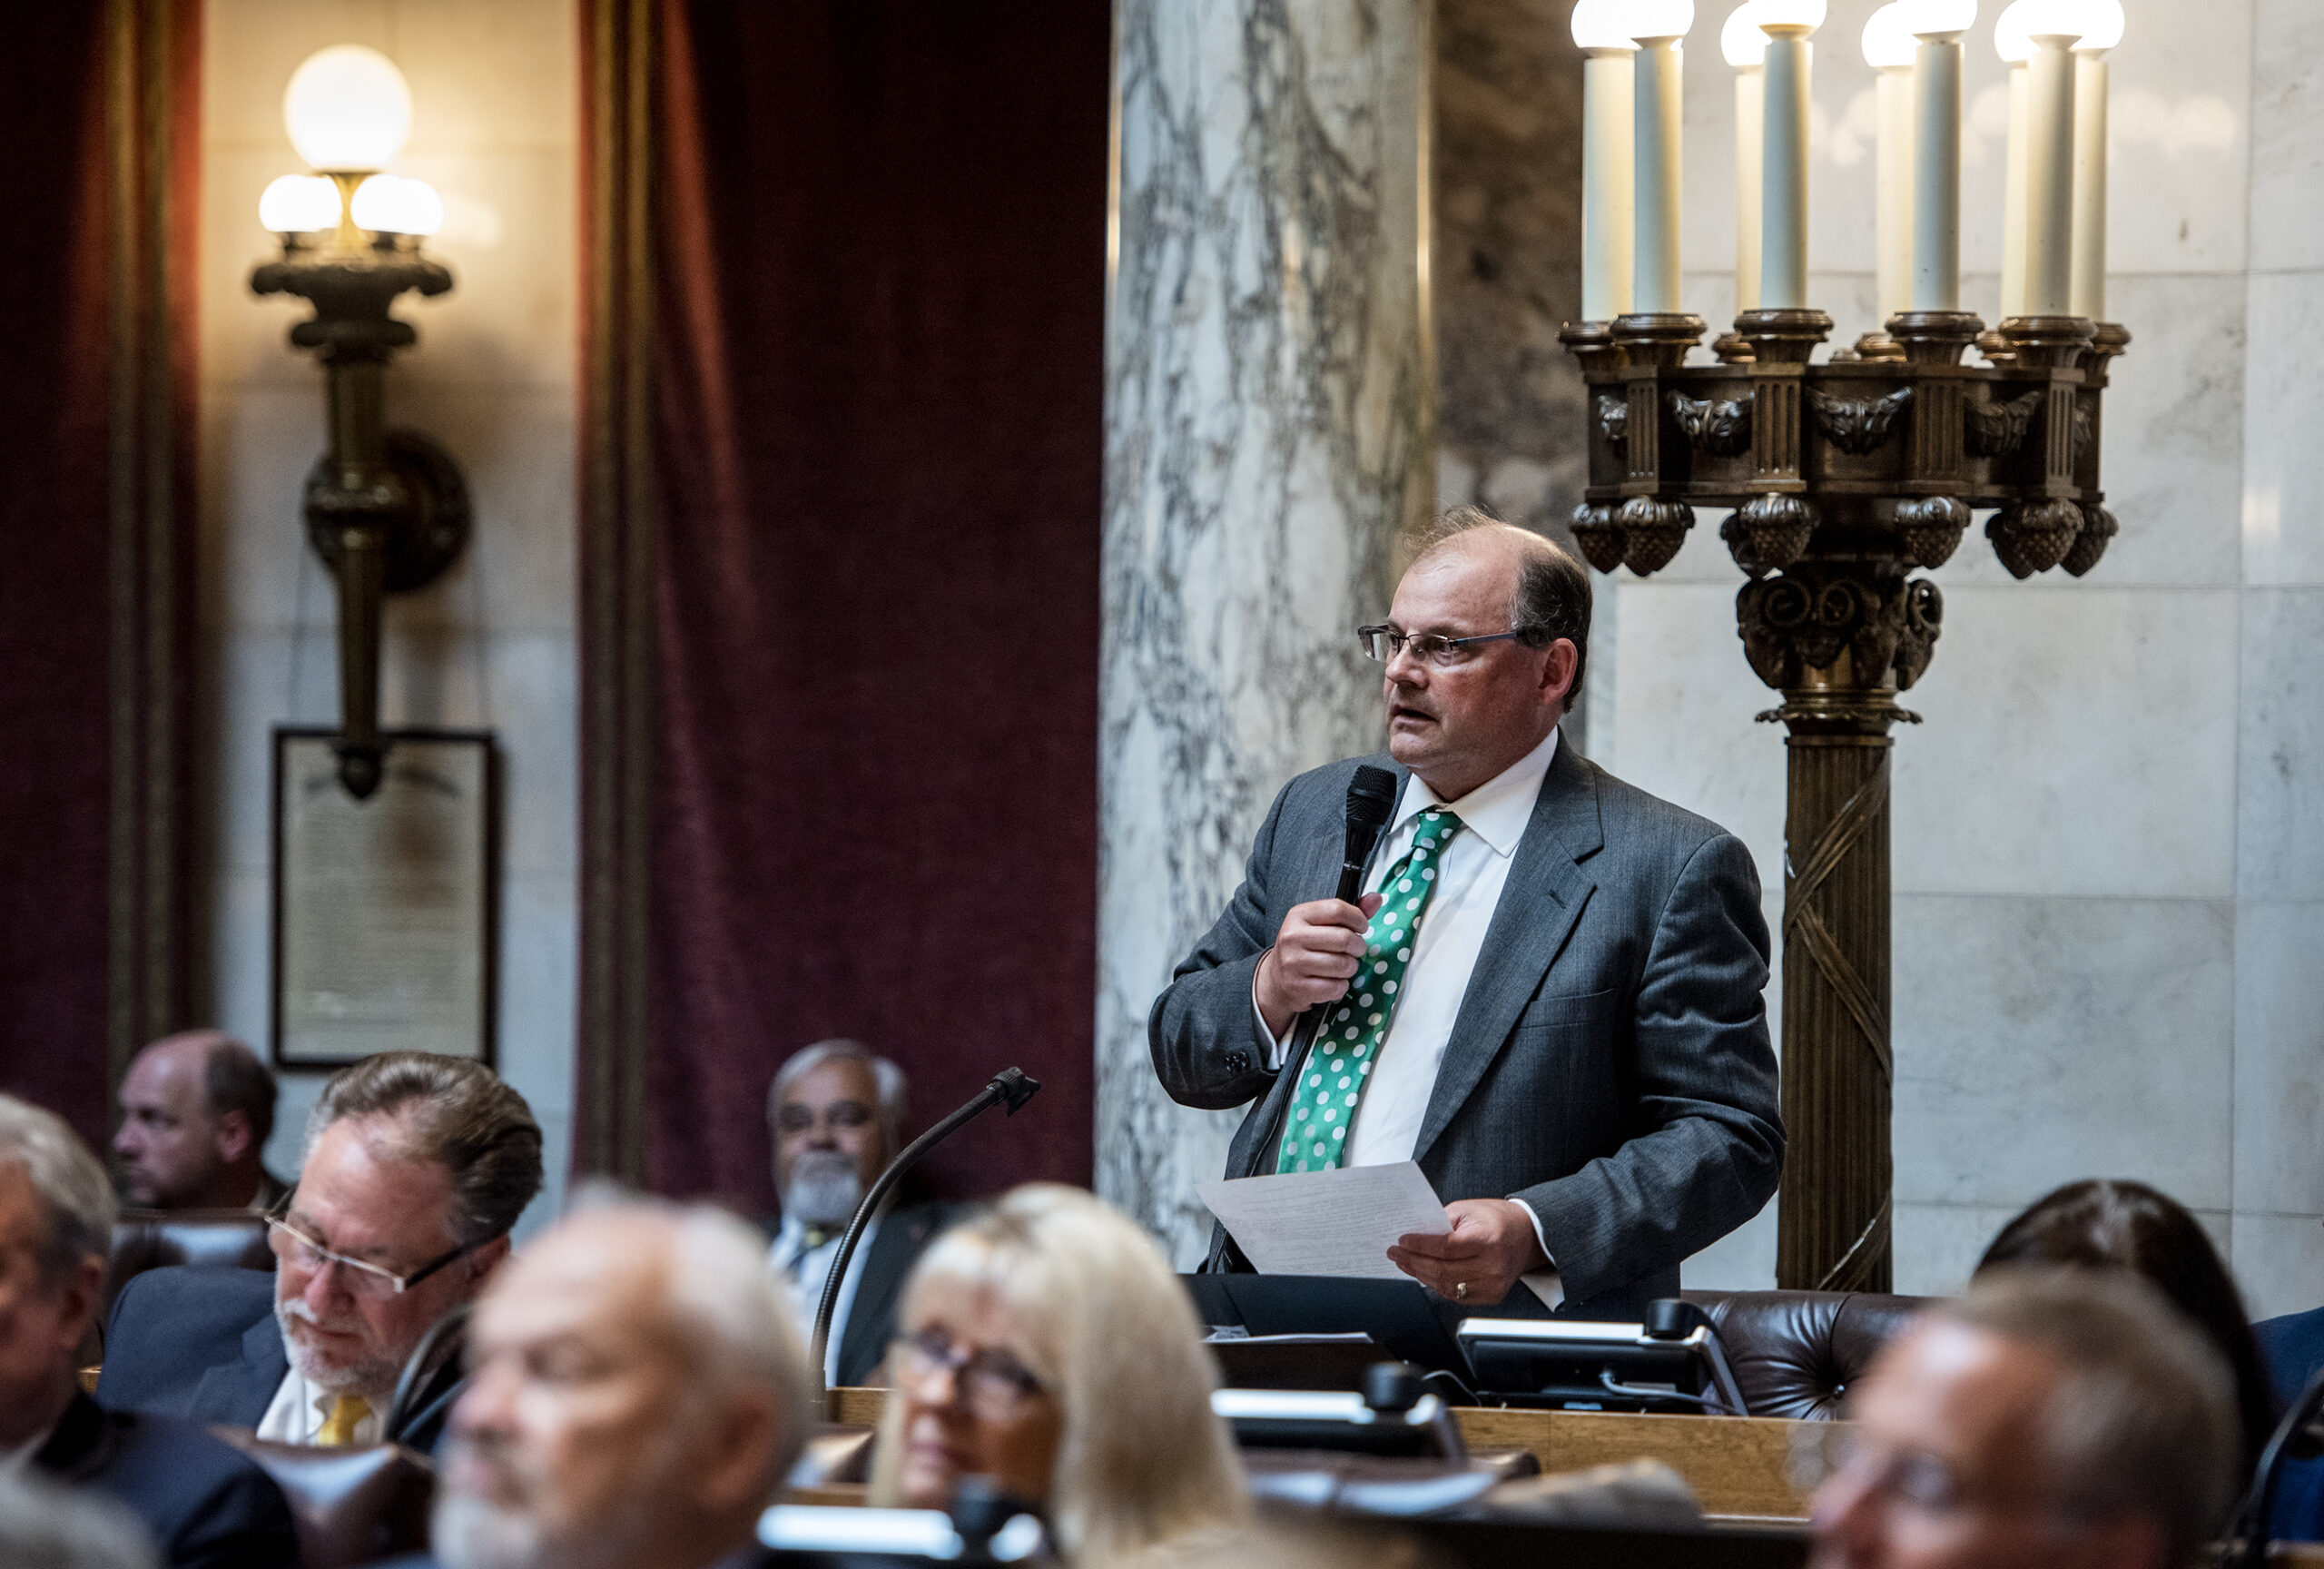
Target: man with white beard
638, 1392
836, 1113
417, 1166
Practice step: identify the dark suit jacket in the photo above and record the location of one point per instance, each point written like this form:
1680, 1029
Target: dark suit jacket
2293, 1346
1609, 1065
904, 1234
204, 1501
203, 1343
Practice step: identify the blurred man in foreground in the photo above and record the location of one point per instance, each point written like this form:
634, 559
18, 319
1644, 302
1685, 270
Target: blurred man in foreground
2070, 1420
835, 1113
195, 1113
417, 1166
639, 1393
203, 1503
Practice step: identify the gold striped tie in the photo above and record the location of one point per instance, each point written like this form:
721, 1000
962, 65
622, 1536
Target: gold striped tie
338, 1428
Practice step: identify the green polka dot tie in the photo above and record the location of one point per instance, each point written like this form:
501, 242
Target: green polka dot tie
1339, 1065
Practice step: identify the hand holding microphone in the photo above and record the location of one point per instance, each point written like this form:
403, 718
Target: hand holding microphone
1316, 953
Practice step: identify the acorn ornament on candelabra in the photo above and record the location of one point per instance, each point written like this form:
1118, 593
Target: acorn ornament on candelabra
1844, 476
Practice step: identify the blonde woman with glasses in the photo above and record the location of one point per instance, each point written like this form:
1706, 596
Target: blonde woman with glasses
1047, 1346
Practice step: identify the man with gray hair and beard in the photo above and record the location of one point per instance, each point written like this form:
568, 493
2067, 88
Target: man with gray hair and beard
638, 1394
836, 1113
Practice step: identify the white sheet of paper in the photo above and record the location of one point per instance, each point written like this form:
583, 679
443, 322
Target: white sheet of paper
1326, 1222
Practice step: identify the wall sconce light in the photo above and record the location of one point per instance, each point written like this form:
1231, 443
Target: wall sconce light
387, 510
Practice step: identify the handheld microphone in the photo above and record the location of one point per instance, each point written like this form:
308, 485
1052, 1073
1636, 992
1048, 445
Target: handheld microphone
1009, 1088
1371, 802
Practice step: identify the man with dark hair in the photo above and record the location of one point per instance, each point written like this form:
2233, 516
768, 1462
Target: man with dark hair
2063, 1419
197, 1109
203, 1502
1549, 995
417, 1167
835, 1113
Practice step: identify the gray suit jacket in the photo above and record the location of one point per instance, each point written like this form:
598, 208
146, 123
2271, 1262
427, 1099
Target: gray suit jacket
1609, 1065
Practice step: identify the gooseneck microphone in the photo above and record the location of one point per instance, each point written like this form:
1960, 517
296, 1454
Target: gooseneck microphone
1008, 1087
1371, 802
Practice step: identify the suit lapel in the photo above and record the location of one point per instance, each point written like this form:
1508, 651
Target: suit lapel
1539, 903
238, 1393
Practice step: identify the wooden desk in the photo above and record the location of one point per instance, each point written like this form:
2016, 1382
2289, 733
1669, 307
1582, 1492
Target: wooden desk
1739, 1466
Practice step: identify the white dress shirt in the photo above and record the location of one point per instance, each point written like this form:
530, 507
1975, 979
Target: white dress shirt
803, 1270
17, 1460
300, 1409
1471, 874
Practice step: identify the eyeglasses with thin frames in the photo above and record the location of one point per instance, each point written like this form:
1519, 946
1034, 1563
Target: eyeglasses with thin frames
994, 1384
1433, 649
362, 1279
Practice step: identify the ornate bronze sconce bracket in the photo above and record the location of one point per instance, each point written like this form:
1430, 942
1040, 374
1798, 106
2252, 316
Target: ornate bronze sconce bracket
387, 510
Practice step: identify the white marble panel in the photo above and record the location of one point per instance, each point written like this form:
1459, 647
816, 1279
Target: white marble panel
2279, 1057
534, 693
458, 55
539, 939
2279, 1263
250, 47
510, 236
2280, 826
1683, 721
1267, 408
2179, 139
254, 677
518, 573
2283, 462
2078, 741
2286, 136
1939, 1245
257, 442
1742, 1260
2042, 1040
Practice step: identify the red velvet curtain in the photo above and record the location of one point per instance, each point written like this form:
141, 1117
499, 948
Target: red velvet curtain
97, 101
877, 438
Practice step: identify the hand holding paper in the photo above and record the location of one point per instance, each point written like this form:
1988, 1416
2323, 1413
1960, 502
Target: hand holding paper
1340, 1222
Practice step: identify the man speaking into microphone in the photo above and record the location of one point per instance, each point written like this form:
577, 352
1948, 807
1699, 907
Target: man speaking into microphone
1548, 994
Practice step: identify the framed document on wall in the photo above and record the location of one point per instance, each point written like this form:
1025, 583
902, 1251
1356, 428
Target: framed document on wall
383, 909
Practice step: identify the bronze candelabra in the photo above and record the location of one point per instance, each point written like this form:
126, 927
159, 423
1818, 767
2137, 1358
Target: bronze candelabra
1844, 476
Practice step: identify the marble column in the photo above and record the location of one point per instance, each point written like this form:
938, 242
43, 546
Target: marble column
1269, 405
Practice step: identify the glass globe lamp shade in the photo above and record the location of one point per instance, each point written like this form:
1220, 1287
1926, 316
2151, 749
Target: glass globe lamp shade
1888, 44
1792, 15
300, 205
392, 204
347, 110
2012, 40
1922, 17
1598, 25
1740, 40
2099, 23
1658, 18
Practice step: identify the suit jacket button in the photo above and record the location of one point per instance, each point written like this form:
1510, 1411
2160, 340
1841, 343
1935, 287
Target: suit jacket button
1239, 1061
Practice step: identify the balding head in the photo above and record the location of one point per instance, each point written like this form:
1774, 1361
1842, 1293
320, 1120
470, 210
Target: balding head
196, 1111
639, 1393
1517, 608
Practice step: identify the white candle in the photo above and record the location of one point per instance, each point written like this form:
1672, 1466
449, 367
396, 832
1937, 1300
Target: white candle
1605, 173
1888, 49
1783, 206
1746, 48
2088, 295
1936, 173
2012, 200
1656, 263
2049, 177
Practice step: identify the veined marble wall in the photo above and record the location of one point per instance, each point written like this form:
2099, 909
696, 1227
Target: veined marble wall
491, 644
2108, 835
1269, 388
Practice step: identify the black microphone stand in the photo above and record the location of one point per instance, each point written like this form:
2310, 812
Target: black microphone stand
2294, 1438
1010, 1088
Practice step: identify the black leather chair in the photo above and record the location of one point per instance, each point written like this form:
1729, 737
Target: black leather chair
146, 1240
351, 1506
1795, 1353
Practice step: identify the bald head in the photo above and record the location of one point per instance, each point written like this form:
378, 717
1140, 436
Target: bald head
638, 1394
196, 1112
